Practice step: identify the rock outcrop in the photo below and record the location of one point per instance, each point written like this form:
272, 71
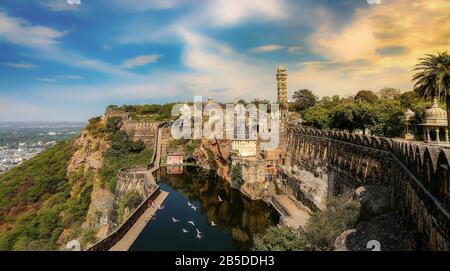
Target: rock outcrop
213, 155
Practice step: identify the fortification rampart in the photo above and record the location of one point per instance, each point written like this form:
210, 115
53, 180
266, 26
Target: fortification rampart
416, 174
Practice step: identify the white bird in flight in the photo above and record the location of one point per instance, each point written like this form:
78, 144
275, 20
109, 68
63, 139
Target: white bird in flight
194, 208
213, 224
191, 222
219, 198
175, 220
185, 231
199, 236
198, 232
189, 204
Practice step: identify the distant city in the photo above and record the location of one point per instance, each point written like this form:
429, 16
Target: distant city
20, 141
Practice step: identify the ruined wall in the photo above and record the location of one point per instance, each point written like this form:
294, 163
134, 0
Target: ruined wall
145, 131
416, 174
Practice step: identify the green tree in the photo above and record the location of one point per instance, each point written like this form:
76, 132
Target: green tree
366, 96
433, 78
341, 116
236, 174
389, 93
317, 116
388, 118
304, 99
363, 116
408, 99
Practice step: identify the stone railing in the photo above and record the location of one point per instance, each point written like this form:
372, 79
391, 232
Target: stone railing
417, 174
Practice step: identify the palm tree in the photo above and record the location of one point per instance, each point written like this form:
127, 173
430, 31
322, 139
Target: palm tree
433, 78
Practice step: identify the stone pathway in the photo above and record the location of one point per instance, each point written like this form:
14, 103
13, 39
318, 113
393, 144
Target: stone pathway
133, 233
291, 215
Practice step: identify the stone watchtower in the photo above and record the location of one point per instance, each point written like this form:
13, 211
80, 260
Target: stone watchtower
282, 100
282, 88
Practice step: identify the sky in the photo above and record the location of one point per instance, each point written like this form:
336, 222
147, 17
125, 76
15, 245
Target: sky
62, 61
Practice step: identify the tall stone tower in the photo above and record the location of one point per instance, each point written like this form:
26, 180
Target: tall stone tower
283, 102
282, 88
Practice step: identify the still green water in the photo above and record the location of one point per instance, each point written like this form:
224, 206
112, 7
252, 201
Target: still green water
237, 218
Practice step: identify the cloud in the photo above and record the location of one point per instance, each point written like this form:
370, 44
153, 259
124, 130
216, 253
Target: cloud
46, 80
266, 48
140, 61
71, 76
20, 65
59, 5
139, 5
378, 47
18, 31
295, 49
231, 12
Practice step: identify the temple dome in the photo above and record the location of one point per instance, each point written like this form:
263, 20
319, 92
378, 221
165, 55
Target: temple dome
409, 114
435, 116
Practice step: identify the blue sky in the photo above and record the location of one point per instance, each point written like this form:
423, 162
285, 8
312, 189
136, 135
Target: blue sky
68, 62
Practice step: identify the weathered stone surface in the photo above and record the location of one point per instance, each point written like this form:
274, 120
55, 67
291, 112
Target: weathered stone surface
374, 198
384, 228
341, 241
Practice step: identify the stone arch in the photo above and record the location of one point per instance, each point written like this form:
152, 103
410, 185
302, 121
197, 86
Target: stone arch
441, 181
429, 168
366, 140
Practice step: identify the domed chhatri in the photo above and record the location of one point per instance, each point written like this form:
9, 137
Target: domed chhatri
435, 119
409, 115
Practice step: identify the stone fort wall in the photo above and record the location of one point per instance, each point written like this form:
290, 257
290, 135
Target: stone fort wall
416, 174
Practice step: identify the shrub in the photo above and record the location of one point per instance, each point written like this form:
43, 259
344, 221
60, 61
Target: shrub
321, 231
113, 124
324, 227
280, 239
236, 174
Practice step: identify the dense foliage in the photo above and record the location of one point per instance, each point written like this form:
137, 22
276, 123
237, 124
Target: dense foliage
382, 114
280, 239
321, 231
123, 153
131, 200
147, 112
35, 200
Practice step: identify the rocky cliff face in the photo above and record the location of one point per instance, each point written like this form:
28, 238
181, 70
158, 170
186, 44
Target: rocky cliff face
102, 215
213, 155
85, 162
311, 189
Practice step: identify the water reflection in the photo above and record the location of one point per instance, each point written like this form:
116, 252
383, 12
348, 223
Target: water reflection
238, 219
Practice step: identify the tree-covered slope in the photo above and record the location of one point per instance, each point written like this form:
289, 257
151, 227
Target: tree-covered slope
36, 203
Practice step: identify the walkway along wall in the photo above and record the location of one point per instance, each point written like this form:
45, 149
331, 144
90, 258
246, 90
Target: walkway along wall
416, 174
132, 177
